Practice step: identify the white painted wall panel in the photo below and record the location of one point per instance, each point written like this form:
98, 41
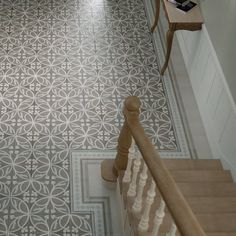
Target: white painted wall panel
206, 80
220, 19
215, 94
212, 94
229, 148
184, 49
199, 58
190, 42
222, 113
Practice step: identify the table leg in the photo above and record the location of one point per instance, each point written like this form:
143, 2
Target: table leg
156, 15
169, 40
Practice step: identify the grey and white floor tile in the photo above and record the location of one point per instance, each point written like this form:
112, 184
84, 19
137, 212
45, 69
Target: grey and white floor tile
66, 66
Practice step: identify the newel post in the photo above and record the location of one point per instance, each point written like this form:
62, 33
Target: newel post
110, 168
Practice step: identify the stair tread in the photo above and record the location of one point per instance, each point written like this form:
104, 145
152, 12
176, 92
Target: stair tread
212, 204
208, 205
208, 234
223, 222
201, 175
189, 164
208, 189
210, 223
218, 234
221, 234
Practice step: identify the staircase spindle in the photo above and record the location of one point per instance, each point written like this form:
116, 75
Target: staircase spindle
159, 215
127, 175
144, 222
133, 185
181, 212
172, 231
137, 206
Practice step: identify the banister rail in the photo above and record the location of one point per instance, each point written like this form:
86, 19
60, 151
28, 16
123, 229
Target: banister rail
183, 216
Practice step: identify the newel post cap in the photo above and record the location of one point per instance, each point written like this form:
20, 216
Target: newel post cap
132, 104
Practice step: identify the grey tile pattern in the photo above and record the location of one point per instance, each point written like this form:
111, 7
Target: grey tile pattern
91, 193
65, 68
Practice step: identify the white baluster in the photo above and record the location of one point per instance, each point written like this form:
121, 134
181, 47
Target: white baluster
132, 187
143, 224
127, 175
172, 231
159, 215
137, 206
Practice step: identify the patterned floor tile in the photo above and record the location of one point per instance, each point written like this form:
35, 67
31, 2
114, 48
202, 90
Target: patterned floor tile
66, 67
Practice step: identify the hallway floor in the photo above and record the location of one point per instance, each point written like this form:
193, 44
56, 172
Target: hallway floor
66, 67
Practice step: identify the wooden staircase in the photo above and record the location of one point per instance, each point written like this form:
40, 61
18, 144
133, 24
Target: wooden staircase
168, 197
208, 189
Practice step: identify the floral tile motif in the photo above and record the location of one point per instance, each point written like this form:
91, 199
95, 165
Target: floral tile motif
66, 67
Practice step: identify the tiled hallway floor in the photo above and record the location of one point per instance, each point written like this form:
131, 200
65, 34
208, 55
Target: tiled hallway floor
66, 66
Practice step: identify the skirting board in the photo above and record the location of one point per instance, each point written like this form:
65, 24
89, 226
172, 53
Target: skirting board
214, 100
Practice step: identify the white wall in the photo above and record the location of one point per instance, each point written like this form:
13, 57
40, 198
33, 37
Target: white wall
220, 20
214, 99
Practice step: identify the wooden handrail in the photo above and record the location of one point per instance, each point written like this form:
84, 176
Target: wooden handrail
183, 216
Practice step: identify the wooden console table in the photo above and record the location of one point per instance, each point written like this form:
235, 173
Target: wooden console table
177, 20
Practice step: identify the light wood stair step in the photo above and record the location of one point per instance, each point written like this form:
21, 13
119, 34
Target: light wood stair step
189, 164
221, 234
223, 222
210, 223
212, 204
208, 196
201, 175
208, 189
209, 234
208, 205
214, 209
